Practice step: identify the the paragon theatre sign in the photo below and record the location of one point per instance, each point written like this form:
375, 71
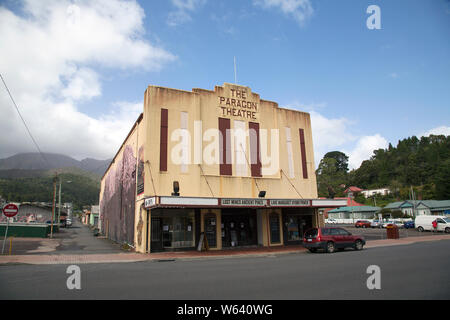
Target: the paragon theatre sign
238, 105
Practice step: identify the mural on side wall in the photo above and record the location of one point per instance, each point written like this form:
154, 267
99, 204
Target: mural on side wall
118, 201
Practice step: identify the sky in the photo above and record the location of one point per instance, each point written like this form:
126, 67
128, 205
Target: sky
78, 69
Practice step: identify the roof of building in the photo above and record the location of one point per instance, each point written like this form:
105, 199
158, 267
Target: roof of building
353, 189
355, 209
431, 204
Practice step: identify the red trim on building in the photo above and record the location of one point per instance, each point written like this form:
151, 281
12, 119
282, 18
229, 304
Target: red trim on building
163, 140
303, 153
255, 151
225, 147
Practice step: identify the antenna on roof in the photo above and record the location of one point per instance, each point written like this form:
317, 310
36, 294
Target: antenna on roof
235, 82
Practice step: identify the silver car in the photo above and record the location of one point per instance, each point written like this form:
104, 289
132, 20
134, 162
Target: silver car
376, 224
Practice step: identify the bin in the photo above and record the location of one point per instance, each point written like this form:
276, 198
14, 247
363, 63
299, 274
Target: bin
392, 232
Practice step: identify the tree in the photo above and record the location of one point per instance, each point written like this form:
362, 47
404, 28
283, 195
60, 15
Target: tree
329, 178
341, 160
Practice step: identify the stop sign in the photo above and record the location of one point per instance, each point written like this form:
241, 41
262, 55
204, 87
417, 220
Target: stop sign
10, 210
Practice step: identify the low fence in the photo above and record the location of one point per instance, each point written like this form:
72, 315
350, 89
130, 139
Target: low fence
352, 221
28, 230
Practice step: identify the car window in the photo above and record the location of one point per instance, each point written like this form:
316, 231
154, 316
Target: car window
311, 233
440, 221
334, 232
326, 231
447, 220
343, 232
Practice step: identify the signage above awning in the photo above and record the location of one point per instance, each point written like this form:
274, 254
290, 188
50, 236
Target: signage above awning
199, 202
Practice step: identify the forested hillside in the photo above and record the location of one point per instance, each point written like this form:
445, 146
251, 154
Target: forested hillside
423, 164
78, 189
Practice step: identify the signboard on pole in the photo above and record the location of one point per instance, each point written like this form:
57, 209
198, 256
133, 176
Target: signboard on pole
10, 210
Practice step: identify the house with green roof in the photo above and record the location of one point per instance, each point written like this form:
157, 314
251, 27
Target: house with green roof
433, 207
354, 212
421, 207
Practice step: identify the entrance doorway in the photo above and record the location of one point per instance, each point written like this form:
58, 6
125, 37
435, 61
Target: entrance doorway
156, 244
239, 227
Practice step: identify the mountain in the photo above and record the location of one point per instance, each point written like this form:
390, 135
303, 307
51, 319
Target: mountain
24, 162
28, 177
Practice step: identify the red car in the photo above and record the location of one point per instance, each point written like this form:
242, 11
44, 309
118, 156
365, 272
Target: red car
362, 224
331, 239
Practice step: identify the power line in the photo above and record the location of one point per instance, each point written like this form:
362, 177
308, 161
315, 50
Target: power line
23, 120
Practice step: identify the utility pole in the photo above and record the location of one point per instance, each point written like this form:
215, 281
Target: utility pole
59, 205
53, 207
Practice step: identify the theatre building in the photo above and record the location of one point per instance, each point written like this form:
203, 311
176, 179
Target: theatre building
221, 165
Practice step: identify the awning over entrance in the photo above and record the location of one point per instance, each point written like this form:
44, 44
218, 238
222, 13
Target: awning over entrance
194, 202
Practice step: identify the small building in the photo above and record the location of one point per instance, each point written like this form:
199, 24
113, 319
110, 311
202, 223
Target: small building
354, 212
372, 192
433, 207
93, 219
349, 203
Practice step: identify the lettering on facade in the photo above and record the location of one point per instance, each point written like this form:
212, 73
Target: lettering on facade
290, 202
149, 202
238, 105
243, 202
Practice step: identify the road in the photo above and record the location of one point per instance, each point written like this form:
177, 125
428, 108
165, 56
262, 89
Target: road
77, 239
416, 271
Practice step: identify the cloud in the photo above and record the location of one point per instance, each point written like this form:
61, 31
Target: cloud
393, 75
335, 134
442, 130
52, 55
300, 10
364, 149
328, 134
183, 10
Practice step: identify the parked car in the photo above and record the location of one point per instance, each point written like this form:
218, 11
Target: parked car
409, 224
386, 223
331, 221
68, 222
376, 224
362, 224
331, 238
398, 223
423, 223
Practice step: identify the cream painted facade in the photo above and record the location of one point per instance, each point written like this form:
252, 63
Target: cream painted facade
137, 165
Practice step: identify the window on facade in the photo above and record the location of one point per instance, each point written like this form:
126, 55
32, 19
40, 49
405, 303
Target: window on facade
240, 147
289, 153
184, 142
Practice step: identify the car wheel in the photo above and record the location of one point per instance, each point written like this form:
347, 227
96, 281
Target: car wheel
364, 227
313, 250
420, 229
447, 230
330, 247
358, 245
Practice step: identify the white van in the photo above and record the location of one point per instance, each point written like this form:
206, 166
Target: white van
425, 223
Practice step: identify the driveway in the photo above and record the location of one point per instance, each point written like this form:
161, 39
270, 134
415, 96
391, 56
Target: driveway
78, 239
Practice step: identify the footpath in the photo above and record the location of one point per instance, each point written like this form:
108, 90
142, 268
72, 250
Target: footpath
38, 259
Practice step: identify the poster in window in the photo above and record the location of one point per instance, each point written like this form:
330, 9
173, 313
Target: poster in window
140, 173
